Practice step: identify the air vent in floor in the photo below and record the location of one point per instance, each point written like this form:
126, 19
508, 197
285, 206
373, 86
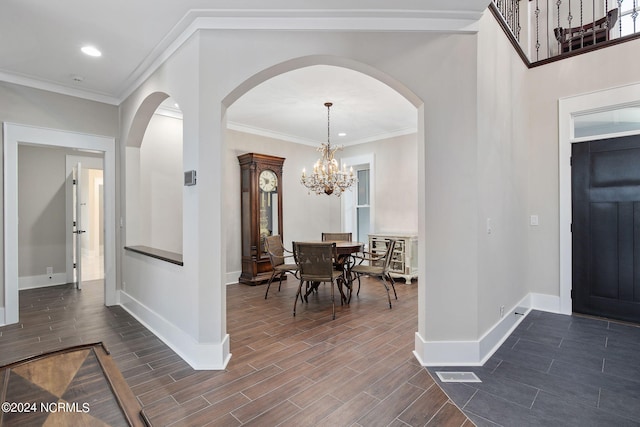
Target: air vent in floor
458, 377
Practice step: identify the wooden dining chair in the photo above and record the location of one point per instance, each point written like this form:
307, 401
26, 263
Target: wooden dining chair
315, 265
336, 237
278, 256
377, 266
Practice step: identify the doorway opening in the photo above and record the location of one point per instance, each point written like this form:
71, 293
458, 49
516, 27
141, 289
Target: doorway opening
29, 136
85, 218
307, 215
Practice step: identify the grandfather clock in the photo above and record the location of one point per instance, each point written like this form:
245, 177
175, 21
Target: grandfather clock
260, 211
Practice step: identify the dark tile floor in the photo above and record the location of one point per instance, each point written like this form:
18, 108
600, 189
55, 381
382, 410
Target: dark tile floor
556, 370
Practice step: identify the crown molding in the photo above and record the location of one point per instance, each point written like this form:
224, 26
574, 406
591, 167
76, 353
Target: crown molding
290, 138
58, 88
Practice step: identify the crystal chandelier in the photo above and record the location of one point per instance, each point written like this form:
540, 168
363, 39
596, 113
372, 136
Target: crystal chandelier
327, 177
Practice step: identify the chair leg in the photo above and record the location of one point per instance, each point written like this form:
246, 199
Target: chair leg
342, 284
349, 286
384, 283
393, 285
358, 293
280, 280
333, 302
298, 294
269, 284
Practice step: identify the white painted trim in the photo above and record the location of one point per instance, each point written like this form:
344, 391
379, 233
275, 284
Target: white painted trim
548, 303
568, 108
42, 281
348, 199
232, 277
10, 157
477, 352
59, 88
15, 134
253, 130
213, 356
2, 316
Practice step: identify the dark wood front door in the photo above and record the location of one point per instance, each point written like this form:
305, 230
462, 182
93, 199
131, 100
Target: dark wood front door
606, 228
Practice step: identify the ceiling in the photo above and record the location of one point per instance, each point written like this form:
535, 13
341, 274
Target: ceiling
40, 45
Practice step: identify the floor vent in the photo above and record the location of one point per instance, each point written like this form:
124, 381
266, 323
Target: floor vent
458, 377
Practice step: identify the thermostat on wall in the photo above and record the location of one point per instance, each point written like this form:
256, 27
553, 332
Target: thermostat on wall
190, 178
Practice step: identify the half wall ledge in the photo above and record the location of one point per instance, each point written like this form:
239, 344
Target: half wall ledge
172, 257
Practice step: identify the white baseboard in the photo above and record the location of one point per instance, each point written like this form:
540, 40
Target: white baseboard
544, 302
476, 353
232, 278
210, 356
41, 281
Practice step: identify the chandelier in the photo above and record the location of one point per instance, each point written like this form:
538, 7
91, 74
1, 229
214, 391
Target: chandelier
327, 177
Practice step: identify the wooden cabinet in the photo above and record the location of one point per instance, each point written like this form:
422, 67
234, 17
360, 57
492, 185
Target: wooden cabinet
261, 212
404, 263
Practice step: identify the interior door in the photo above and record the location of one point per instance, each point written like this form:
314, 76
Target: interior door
78, 228
606, 228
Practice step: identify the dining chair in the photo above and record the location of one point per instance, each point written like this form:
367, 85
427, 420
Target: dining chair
336, 237
377, 266
315, 265
342, 263
278, 258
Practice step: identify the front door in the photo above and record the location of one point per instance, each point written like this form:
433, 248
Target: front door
606, 228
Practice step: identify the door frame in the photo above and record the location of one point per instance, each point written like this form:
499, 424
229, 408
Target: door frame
568, 109
16, 134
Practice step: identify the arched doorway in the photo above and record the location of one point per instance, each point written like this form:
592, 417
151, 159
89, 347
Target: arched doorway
295, 195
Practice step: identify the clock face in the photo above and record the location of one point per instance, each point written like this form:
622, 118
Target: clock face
268, 180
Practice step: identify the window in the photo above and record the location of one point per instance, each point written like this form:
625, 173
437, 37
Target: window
363, 208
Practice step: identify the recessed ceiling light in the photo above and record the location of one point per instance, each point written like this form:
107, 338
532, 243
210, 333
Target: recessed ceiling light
342, 134
91, 51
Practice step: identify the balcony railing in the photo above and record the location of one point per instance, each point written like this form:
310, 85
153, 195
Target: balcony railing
545, 29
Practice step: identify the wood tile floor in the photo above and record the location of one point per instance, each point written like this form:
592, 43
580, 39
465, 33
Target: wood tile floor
357, 370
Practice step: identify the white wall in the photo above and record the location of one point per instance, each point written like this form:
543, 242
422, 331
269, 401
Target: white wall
155, 185
181, 304
502, 177
41, 210
396, 182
